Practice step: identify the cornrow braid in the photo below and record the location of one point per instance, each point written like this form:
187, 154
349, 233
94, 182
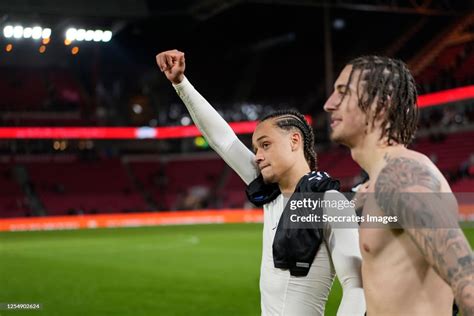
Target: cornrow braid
291, 119
391, 83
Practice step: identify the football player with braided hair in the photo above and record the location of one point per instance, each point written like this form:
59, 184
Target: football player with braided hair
283, 161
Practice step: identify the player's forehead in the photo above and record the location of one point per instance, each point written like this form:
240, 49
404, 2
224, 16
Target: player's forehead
265, 129
343, 78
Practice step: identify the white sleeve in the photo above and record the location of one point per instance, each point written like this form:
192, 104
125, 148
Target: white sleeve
343, 244
217, 132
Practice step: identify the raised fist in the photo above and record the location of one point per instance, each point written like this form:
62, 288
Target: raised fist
171, 62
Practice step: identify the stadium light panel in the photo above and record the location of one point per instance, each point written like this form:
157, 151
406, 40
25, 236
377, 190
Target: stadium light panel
8, 31
46, 33
80, 35
27, 32
185, 121
137, 108
71, 34
98, 35
106, 36
89, 36
37, 32
339, 24
18, 31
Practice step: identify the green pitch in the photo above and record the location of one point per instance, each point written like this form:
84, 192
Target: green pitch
179, 270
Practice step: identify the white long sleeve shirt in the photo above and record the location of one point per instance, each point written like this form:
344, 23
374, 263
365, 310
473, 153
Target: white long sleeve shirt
281, 293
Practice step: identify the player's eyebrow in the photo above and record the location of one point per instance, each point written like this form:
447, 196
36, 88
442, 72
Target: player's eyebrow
254, 148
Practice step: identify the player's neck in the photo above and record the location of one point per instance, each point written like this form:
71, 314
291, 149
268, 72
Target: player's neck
370, 152
289, 181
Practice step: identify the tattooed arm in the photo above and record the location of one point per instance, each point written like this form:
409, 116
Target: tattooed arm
409, 190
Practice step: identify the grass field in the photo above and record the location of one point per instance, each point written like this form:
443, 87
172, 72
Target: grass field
175, 270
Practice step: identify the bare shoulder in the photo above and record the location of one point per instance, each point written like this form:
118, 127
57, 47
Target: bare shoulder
410, 187
409, 170
399, 183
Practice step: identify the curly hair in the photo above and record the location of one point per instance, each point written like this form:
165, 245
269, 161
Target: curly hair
390, 83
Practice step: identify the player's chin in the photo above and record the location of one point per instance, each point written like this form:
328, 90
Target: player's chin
336, 137
268, 177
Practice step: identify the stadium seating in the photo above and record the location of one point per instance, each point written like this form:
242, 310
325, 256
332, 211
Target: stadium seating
104, 186
12, 200
180, 176
68, 90
452, 66
233, 192
463, 185
340, 164
451, 152
100, 186
465, 70
49, 91
444, 61
62, 204
14, 83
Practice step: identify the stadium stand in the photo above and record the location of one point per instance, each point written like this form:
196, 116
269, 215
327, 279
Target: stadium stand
54, 97
12, 199
182, 183
441, 52
72, 187
463, 185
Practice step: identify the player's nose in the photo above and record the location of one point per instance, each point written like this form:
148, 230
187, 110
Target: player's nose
259, 156
331, 103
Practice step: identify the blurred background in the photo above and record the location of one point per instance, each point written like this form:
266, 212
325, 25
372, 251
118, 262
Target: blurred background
90, 126
93, 64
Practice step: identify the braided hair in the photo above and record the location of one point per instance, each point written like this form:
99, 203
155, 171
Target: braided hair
390, 81
292, 119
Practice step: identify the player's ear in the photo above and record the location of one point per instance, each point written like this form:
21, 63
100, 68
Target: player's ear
296, 140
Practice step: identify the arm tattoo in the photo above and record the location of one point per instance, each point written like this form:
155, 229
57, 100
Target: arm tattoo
430, 224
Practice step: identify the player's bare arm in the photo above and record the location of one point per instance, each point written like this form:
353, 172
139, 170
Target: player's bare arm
443, 246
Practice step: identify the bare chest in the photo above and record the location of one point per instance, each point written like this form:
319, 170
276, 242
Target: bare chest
374, 235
